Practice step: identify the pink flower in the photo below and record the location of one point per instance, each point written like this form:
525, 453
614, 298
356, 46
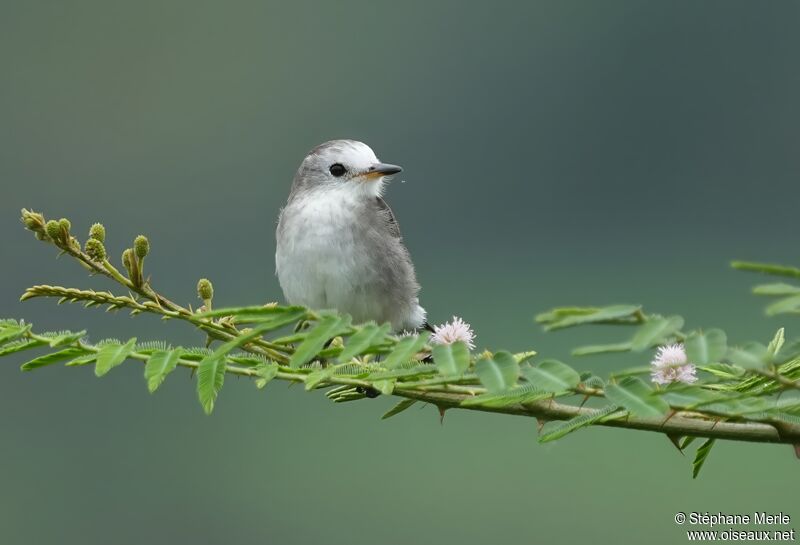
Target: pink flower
451, 332
672, 365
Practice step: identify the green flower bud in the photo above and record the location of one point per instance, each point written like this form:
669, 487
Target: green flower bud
65, 224
32, 220
131, 266
205, 290
127, 260
53, 229
141, 246
97, 232
95, 249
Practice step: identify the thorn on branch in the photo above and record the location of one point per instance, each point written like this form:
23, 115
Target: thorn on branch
670, 414
442, 410
676, 440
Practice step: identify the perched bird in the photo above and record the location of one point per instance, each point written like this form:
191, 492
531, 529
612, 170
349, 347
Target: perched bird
339, 245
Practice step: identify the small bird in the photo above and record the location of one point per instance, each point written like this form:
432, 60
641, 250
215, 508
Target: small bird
339, 245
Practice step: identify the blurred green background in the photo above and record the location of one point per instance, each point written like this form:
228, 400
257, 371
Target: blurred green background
555, 153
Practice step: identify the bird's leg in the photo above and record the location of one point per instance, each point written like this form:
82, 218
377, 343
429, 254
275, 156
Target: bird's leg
368, 391
302, 324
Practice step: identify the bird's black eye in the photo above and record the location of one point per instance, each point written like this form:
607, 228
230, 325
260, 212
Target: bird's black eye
337, 169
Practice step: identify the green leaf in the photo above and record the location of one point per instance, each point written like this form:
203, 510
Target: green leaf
552, 376
572, 316
751, 356
160, 364
713, 401
498, 373
789, 418
703, 348
637, 397
723, 370
405, 350
655, 331
593, 381
775, 344
195, 353
397, 409
632, 371
211, 369
386, 387
266, 372
50, 359
328, 327
788, 352
149, 347
558, 313
686, 441
210, 378
19, 345
247, 360
254, 312
776, 289
556, 430
451, 359
789, 401
82, 360
347, 396
767, 268
268, 318
519, 395
789, 305
405, 372
111, 355
367, 337
11, 331
356, 370
738, 407
314, 378
66, 338
689, 397
271, 323
700, 456
601, 349
522, 357
290, 339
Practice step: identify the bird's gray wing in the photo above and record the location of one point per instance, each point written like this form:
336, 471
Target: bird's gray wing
391, 221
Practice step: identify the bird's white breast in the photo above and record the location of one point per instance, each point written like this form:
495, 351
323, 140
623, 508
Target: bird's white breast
320, 263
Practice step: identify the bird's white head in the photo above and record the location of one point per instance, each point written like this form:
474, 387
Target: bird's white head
346, 165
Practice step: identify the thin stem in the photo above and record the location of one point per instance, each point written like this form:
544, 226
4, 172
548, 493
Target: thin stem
679, 424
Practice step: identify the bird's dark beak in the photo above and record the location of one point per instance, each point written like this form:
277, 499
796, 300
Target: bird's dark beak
378, 170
